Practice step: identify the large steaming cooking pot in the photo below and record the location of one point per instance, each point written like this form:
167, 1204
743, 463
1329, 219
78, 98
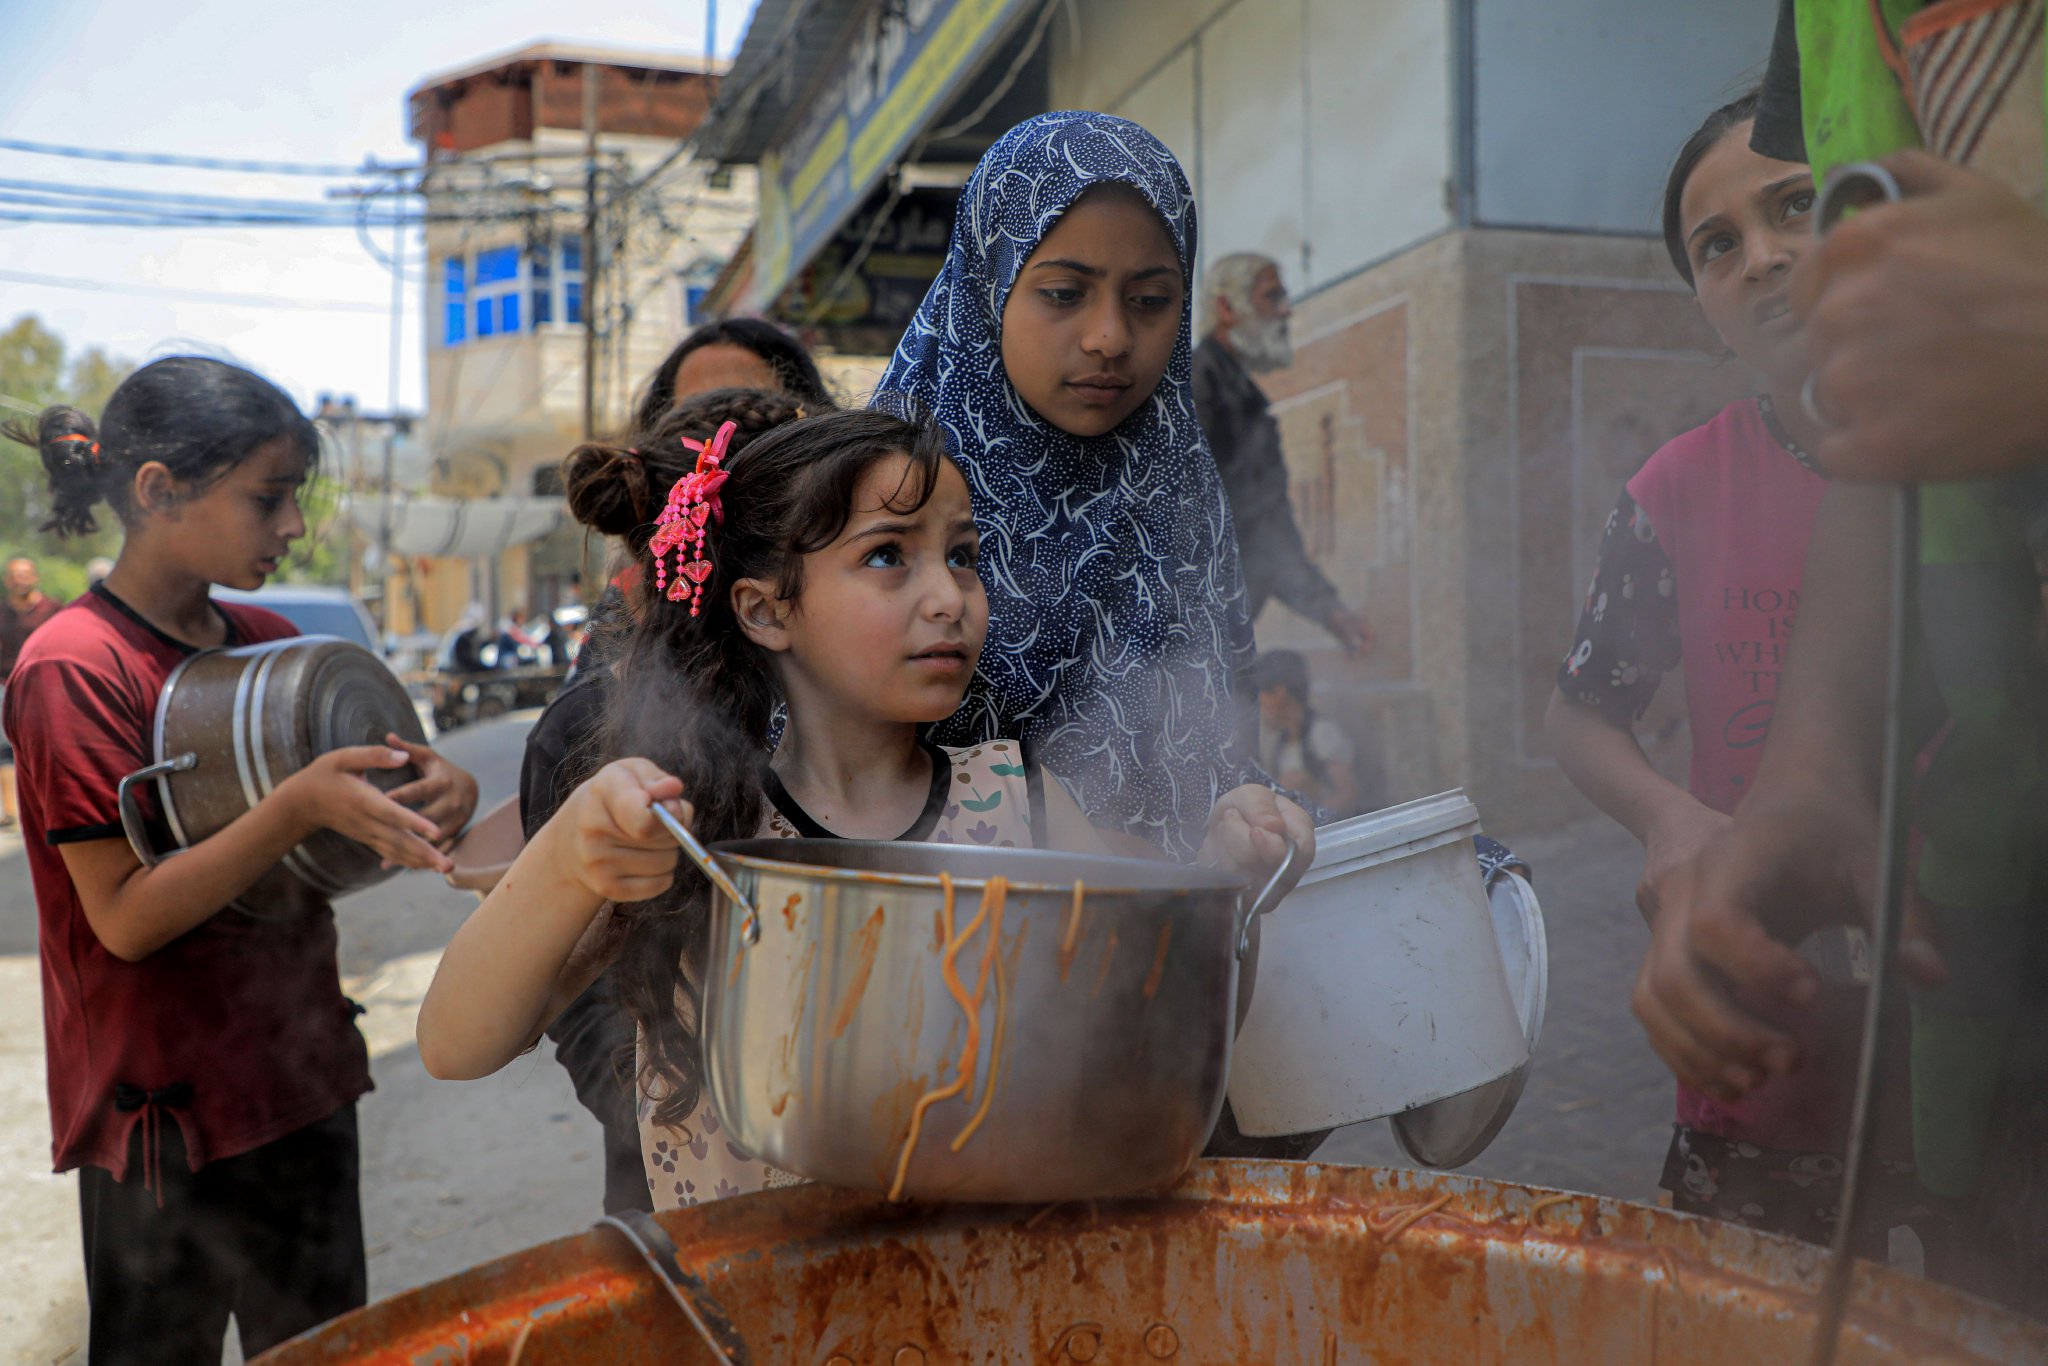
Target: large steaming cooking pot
1104, 1044
233, 724
1288, 1263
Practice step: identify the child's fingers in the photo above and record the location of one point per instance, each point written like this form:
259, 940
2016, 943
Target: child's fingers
364, 758
418, 753
398, 848
1230, 841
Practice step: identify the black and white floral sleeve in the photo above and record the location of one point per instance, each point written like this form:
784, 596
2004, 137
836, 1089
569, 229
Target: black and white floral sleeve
1628, 628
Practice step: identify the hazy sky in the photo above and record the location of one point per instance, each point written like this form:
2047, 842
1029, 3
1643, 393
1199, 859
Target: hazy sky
234, 78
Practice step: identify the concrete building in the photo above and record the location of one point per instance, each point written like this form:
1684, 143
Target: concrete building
1462, 195
513, 285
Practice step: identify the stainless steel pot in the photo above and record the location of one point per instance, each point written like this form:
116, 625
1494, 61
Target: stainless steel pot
1102, 1048
233, 724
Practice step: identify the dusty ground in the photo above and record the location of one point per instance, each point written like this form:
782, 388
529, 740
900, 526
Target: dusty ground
458, 1174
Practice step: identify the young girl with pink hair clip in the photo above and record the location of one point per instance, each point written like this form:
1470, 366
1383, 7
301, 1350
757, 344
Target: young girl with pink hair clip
827, 567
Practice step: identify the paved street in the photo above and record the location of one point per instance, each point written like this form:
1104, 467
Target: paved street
458, 1174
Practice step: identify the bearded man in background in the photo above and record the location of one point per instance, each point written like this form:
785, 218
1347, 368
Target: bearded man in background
1248, 309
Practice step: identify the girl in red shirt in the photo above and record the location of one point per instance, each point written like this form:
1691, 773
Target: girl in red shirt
203, 1062
1700, 568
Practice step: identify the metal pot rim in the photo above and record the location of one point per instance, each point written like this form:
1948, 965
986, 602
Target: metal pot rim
1166, 878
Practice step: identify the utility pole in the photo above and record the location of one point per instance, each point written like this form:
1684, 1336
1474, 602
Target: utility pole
590, 270
391, 431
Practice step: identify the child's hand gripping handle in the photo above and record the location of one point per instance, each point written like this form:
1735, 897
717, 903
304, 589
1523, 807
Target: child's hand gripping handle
750, 928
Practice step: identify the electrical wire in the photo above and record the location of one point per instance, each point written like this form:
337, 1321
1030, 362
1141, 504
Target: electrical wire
305, 168
23, 277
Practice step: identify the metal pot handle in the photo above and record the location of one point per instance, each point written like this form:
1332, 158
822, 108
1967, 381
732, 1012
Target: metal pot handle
1268, 897
750, 928
131, 814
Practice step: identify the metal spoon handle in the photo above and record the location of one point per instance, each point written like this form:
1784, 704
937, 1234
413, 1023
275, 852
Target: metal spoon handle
1268, 896
699, 855
687, 1289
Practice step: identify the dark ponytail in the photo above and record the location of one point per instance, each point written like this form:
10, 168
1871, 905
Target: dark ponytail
697, 698
197, 417
1704, 139
72, 462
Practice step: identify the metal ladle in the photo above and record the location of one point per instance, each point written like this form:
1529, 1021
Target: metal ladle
1859, 185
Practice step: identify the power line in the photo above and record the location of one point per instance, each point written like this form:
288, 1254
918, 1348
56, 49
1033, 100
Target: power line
22, 277
305, 168
176, 198
143, 218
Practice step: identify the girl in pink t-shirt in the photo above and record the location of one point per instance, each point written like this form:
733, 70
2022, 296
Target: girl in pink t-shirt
1700, 567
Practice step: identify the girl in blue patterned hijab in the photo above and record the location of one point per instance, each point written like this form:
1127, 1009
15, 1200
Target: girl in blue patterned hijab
1055, 349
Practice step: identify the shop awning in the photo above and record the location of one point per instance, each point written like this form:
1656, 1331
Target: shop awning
456, 528
826, 97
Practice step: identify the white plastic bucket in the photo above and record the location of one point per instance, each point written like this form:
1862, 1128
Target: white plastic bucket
1380, 983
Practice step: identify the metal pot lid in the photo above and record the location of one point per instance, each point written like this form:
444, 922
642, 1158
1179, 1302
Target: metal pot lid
1452, 1131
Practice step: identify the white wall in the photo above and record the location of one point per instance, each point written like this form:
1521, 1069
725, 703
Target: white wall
1581, 104
1315, 131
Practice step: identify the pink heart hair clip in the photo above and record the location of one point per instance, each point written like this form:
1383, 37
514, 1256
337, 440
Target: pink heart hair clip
692, 503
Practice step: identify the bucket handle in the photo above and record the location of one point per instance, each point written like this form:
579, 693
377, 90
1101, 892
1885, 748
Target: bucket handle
1269, 896
131, 814
688, 1290
750, 928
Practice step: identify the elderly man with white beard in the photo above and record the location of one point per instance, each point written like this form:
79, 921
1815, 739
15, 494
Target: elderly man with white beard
1248, 309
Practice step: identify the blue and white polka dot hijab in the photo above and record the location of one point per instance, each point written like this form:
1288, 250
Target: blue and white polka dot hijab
1117, 613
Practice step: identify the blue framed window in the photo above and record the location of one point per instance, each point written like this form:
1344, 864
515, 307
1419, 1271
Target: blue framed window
496, 289
539, 270
455, 301
572, 281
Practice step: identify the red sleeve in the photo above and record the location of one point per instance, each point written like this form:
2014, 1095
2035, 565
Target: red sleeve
77, 731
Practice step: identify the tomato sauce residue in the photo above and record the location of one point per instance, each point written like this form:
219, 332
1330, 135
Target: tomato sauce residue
870, 939
1158, 973
1070, 940
1102, 973
789, 911
779, 1104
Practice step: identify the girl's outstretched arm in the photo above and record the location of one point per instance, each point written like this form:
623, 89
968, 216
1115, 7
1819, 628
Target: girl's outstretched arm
134, 911
514, 963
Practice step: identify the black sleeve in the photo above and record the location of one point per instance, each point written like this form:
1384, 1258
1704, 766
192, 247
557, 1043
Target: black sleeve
1628, 628
1254, 471
1780, 131
555, 746
1292, 574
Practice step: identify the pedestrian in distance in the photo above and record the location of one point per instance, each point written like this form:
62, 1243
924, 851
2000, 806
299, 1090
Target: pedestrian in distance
23, 608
